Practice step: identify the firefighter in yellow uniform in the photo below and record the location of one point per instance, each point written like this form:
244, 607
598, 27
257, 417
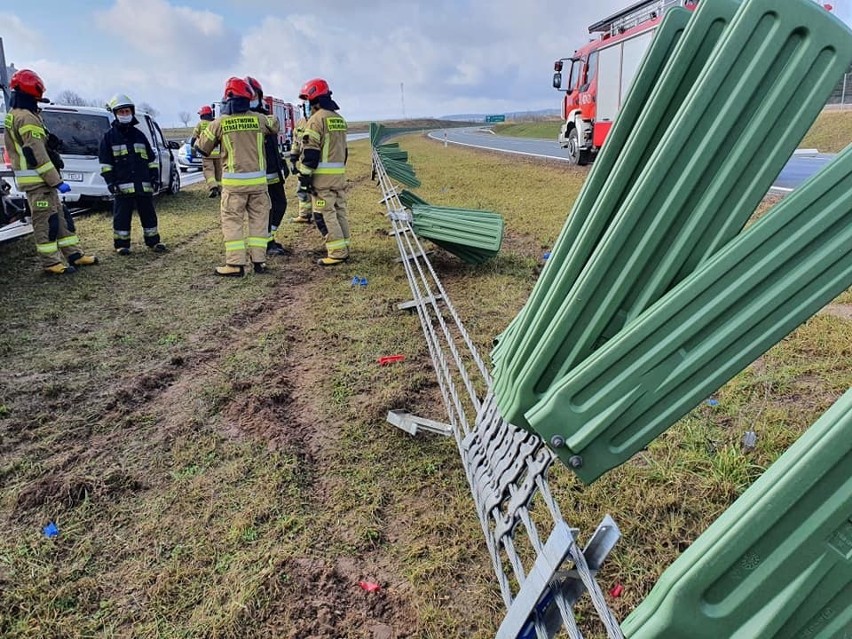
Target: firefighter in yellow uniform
36, 166
302, 195
212, 165
322, 171
240, 134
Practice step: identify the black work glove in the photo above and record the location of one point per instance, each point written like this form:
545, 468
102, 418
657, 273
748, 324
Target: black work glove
306, 182
155, 180
113, 188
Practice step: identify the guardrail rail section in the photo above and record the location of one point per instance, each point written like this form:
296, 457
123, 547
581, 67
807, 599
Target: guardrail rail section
540, 579
653, 297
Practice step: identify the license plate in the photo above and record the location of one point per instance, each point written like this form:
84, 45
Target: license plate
71, 176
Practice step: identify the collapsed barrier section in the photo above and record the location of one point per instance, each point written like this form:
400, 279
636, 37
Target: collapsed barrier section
540, 579
653, 297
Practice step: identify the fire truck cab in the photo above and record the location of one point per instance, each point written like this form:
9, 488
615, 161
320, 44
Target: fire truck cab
600, 73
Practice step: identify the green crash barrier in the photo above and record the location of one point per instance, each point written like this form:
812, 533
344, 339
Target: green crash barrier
778, 563
736, 306
409, 199
765, 83
650, 106
473, 236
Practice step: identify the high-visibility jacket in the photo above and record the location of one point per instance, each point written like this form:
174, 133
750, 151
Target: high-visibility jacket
323, 150
276, 169
298, 132
198, 130
241, 138
127, 160
26, 143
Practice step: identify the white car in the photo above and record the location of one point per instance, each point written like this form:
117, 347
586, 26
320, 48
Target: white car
187, 158
80, 129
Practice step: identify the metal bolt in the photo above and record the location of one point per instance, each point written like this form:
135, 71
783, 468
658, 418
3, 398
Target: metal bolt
575, 461
557, 442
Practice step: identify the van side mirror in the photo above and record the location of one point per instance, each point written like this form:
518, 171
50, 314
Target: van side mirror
557, 80
173, 145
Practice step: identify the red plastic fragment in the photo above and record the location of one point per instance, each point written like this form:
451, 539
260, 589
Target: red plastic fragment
616, 591
369, 586
390, 359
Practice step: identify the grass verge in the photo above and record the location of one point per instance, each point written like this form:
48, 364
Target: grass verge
215, 455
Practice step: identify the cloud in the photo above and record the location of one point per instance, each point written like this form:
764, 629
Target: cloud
158, 30
452, 56
19, 39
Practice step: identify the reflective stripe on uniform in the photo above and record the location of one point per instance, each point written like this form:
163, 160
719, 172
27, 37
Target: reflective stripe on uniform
257, 242
272, 178
121, 235
330, 168
314, 135
33, 129
235, 245
44, 168
47, 248
119, 149
150, 232
106, 168
127, 187
252, 178
153, 165
70, 240
336, 244
28, 176
141, 150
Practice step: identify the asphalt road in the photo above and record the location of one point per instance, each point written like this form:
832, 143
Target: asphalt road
803, 164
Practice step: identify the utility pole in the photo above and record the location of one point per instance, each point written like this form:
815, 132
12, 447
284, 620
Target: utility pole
402, 97
4, 80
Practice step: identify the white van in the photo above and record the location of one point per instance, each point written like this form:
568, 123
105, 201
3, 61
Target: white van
80, 129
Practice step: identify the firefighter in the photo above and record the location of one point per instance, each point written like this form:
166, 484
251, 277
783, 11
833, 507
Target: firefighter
276, 172
239, 132
304, 197
132, 173
321, 168
211, 166
37, 174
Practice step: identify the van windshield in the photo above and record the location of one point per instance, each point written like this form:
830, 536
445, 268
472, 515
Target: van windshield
80, 133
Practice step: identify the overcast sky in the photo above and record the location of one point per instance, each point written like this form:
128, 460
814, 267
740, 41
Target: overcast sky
383, 58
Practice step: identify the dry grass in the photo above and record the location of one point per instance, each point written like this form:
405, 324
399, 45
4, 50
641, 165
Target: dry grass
215, 452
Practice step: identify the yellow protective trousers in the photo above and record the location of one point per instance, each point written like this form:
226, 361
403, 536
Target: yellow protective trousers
54, 235
240, 209
212, 168
329, 208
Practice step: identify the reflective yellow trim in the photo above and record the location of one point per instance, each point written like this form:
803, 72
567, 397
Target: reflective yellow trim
48, 248
71, 240
336, 244
244, 181
313, 134
261, 154
33, 129
229, 167
235, 245
257, 242
44, 168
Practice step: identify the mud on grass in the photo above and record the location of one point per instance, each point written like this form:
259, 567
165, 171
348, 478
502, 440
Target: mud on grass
215, 454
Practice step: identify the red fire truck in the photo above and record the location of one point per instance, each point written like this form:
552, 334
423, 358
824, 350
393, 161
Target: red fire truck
285, 112
600, 73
